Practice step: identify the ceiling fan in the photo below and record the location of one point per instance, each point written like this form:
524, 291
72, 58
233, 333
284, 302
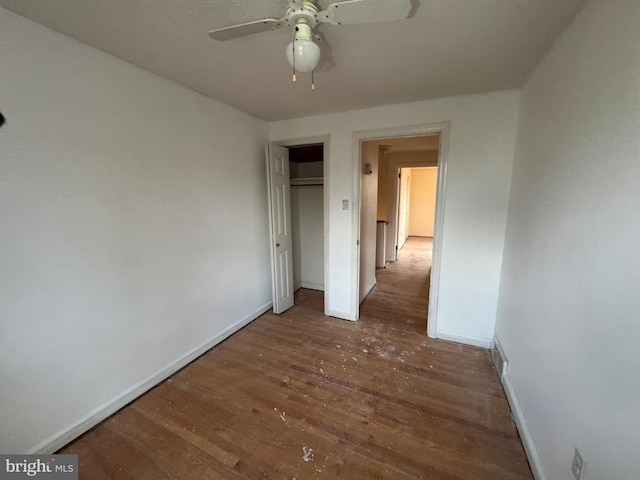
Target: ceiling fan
303, 53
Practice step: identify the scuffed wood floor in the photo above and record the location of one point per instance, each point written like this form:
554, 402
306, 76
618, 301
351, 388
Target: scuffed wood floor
303, 396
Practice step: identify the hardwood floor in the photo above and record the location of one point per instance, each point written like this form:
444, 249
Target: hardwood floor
302, 396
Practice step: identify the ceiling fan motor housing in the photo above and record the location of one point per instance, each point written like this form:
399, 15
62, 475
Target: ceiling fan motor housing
307, 15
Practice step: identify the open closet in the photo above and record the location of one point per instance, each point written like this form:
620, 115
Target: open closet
306, 169
296, 220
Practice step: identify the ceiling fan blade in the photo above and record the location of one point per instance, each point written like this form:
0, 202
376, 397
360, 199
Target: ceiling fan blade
365, 11
296, 4
244, 29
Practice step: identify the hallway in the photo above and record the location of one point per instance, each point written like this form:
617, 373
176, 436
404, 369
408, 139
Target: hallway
402, 290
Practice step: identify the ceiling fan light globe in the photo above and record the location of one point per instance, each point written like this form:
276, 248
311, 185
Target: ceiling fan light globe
307, 55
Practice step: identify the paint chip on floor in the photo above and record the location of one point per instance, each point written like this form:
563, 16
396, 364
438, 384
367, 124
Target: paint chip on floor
307, 454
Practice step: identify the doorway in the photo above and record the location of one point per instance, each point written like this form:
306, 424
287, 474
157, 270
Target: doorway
297, 218
417, 192
306, 168
387, 199
404, 201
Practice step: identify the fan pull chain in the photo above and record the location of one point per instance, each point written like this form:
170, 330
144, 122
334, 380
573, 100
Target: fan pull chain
293, 56
313, 84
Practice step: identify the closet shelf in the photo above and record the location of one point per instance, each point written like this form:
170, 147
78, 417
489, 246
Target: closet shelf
305, 181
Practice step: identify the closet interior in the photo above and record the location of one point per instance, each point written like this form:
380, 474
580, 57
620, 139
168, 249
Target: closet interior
306, 168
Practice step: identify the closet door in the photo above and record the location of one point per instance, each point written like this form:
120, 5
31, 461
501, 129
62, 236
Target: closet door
279, 197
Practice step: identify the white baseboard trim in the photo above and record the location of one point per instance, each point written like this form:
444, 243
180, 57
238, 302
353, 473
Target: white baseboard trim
312, 286
60, 439
523, 430
340, 314
466, 339
368, 290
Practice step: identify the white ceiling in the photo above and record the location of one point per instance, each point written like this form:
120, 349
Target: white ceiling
450, 47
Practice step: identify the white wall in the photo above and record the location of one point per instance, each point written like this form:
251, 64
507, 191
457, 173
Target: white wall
481, 147
133, 231
422, 208
368, 214
569, 303
307, 227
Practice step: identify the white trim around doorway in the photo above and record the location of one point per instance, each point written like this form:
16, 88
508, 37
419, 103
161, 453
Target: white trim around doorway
443, 129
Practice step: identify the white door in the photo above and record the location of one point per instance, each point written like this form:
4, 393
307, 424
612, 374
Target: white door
279, 196
403, 207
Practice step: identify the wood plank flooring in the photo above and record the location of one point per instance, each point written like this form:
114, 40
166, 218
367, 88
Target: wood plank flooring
303, 396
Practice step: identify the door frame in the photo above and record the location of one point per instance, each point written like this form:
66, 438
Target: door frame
394, 222
444, 130
324, 140
400, 201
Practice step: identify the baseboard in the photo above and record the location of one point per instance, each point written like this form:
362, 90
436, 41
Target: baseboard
340, 314
523, 430
368, 290
60, 439
466, 339
312, 286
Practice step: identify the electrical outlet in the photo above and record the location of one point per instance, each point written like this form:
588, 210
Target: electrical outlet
578, 465
345, 204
